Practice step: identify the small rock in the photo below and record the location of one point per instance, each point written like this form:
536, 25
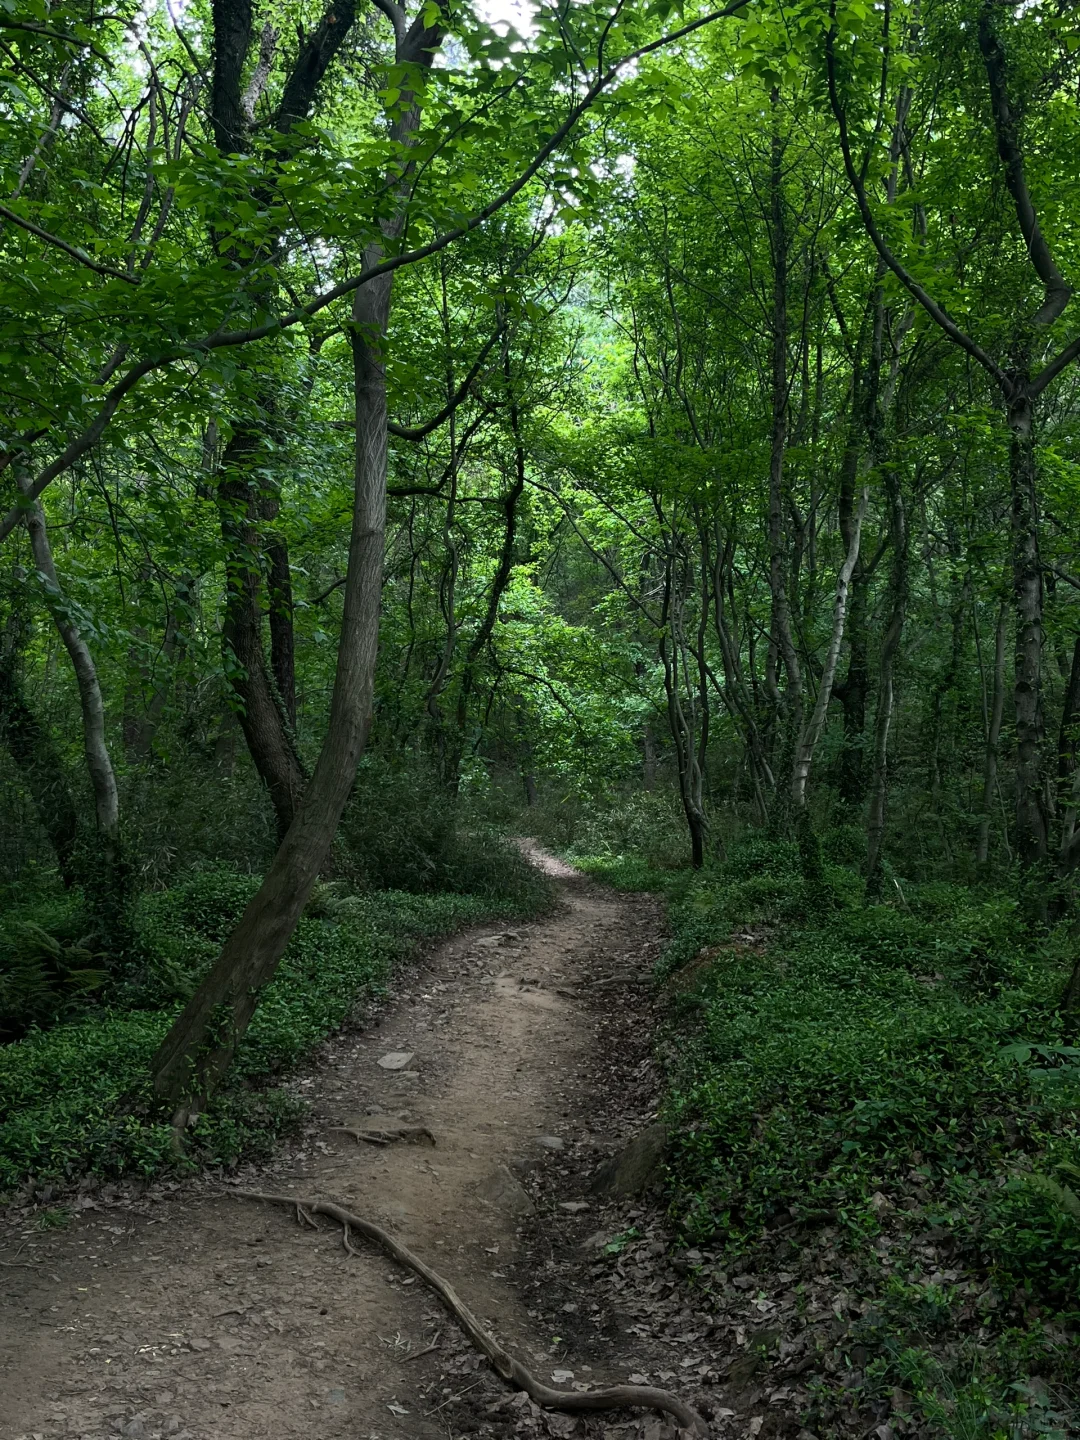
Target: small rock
574, 1206
551, 1142
630, 1171
504, 1192
135, 1429
396, 1059
596, 1241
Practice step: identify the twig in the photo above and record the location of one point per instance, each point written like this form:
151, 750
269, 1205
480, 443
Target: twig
451, 1398
379, 1136
613, 1397
415, 1355
18, 1264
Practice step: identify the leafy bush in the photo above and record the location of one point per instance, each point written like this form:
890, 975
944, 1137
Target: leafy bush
399, 835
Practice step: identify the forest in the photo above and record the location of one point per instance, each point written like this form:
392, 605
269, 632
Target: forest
648, 429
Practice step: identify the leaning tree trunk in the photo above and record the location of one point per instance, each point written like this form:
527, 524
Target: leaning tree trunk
106, 875
200, 1046
197, 1051
98, 761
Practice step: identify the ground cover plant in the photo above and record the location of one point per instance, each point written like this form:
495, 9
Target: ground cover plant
74, 1095
884, 1094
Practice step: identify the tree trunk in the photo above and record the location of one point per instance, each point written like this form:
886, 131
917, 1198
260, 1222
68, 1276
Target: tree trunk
258, 707
1031, 812
98, 761
890, 647
993, 741
1068, 745
106, 876
197, 1051
689, 732
852, 692
282, 636
201, 1044
808, 739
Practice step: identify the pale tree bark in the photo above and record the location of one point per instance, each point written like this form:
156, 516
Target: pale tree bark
811, 732
98, 761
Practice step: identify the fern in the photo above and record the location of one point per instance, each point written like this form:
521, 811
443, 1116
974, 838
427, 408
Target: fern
1065, 1199
41, 978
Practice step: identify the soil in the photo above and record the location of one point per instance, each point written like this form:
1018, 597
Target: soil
184, 1310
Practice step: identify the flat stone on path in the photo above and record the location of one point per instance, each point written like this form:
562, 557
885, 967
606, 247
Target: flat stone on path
551, 1142
396, 1059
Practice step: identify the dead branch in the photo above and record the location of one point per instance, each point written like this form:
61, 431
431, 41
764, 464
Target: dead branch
613, 1397
386, 1135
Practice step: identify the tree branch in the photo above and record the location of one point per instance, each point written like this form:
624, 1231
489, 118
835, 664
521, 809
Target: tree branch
1058, 293
417, 432
76, 254
928, 303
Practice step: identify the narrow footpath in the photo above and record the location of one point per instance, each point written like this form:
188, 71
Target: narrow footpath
185, 1311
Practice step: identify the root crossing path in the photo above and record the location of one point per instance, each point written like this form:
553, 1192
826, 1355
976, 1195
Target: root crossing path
191, 1313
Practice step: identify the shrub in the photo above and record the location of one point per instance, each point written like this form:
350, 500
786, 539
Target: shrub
823, 1054
399, 835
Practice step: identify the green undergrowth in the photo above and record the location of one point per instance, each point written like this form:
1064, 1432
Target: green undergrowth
73, 1097
888, 1084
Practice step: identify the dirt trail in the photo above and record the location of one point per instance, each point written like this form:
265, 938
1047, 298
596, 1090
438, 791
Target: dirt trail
191, 1313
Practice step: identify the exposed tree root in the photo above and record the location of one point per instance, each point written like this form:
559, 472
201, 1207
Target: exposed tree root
386, 1134
613, 1397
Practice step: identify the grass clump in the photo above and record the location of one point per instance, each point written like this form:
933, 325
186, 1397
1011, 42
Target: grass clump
66, 1091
